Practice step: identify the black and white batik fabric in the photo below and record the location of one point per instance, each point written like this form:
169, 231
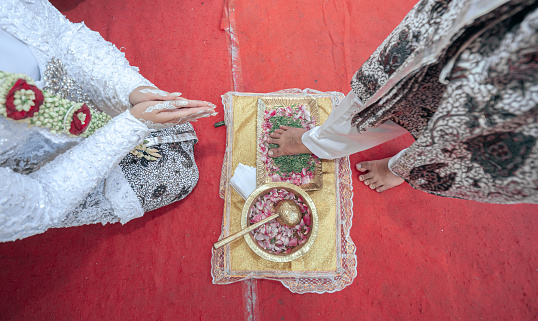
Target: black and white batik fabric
169, 178
473, 110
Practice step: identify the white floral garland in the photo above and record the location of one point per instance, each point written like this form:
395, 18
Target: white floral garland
40, 108
53, 112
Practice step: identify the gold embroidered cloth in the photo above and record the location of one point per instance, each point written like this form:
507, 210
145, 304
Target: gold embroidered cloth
330, 265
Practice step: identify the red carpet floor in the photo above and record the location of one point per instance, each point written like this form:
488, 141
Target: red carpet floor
420, 257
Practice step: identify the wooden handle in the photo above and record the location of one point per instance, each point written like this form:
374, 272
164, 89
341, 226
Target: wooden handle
237, 235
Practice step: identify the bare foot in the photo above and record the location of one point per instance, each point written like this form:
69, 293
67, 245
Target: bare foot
289, 142
379, 177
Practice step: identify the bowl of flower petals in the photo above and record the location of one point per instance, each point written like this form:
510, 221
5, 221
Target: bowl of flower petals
276, 241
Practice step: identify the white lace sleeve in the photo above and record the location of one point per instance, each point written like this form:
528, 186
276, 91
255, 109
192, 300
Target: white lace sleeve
97, 65
30, 204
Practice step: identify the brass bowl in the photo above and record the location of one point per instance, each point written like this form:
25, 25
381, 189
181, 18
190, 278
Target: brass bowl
300, 249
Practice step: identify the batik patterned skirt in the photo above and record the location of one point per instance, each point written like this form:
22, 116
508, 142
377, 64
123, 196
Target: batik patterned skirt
462, 79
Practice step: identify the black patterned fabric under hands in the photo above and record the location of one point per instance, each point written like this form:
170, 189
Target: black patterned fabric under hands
169, 178
473, 110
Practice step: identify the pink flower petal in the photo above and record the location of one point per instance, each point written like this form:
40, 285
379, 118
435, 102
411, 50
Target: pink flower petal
292, 242
306, 220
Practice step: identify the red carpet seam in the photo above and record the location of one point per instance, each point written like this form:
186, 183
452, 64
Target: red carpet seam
249, 287
250, 300
228, 24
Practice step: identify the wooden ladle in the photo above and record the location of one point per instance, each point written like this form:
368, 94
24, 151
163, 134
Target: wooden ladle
286, 212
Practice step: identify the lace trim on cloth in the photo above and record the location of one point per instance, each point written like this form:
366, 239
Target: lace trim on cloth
297, 282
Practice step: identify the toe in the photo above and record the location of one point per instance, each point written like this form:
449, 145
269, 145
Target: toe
272, 141
369, 175
372, 186
274, 152
381, 189
363, 167
366, 176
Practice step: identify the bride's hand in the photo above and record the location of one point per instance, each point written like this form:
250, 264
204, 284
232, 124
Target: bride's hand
146, 93
171, 112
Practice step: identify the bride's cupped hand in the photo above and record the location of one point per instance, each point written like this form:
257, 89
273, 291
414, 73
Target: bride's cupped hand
170, 112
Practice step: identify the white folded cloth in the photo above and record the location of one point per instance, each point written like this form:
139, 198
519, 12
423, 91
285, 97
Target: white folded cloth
244, 180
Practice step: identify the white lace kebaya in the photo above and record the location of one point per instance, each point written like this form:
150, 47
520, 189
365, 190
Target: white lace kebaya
51, 180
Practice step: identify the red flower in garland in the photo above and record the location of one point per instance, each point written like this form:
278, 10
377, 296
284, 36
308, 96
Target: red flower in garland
11, 109
81, 120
